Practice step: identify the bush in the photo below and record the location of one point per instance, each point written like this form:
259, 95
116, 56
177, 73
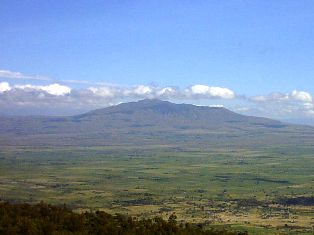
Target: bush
46, 219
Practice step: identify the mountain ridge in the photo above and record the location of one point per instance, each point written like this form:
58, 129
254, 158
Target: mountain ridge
149, 121
166, 107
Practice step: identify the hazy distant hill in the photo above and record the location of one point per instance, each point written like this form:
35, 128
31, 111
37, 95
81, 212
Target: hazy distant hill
151, 122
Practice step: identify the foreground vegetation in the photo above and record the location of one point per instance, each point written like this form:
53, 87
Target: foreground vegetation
45, 219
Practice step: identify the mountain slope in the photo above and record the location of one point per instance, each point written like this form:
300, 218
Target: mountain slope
150, 122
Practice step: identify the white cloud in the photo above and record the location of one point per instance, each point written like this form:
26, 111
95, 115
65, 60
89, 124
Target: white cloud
218, 92
259, 98
301, 96
310, 112
274, 96
224, 93
216, 105
295, 95
4, 86
142, 90
166, 91
132, 92
308, 106
57, 89
242, 109
102, 91
17, 75
200, 89
52, 89
193, 92
293, 104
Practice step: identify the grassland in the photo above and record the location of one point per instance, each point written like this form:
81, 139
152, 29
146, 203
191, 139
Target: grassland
240, 188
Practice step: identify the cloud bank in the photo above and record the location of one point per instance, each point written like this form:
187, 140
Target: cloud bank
56, 95
56, 98
287, 105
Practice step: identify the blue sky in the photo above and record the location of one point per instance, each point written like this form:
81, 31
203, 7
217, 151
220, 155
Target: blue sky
253, 48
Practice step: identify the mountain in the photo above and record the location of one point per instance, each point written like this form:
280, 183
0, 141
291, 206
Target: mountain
151, 121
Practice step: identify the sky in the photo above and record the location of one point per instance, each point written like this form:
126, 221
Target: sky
65, 57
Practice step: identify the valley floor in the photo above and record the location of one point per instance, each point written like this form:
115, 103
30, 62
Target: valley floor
264, 191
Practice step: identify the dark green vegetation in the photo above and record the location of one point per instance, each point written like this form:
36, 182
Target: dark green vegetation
208, 165
45, 219
305, 201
